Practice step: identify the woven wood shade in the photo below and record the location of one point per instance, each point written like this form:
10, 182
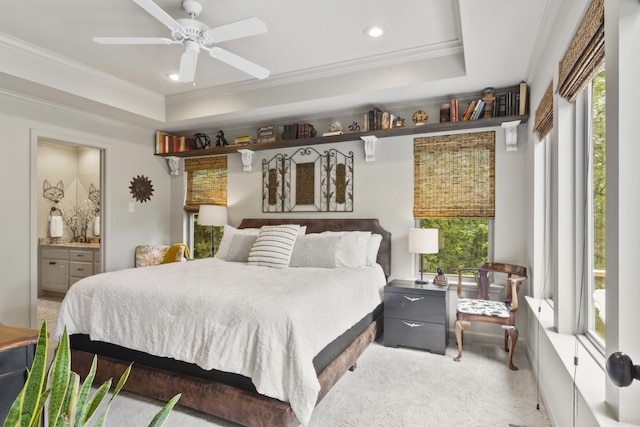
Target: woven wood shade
585, 55
454, 176
206, 182
544, 113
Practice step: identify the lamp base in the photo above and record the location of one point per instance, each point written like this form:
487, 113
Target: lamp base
421, 282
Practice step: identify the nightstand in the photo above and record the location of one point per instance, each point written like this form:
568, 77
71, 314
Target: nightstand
415, 315
17, 349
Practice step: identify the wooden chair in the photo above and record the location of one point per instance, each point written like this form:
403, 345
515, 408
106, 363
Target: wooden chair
482, 309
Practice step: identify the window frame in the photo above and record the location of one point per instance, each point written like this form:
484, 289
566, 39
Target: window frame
590, 327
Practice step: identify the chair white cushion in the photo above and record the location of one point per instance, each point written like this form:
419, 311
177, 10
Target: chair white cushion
483, 307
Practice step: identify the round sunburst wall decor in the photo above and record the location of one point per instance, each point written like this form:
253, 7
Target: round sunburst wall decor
141, 188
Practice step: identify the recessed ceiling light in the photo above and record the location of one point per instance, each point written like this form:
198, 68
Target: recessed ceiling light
374, 31
172, 76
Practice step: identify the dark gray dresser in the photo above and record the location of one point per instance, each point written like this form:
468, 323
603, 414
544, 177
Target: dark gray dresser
415, 315
17, 348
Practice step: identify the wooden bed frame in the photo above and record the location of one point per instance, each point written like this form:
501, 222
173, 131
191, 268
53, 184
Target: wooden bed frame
234, 404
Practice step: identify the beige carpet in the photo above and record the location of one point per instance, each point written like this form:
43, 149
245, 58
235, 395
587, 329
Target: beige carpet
400, 387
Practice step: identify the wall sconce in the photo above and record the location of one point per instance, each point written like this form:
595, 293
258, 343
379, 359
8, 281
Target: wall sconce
423, 241
621, 369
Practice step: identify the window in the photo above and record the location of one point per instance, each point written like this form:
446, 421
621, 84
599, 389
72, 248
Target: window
463, 242
206, 185
454, 188
596, 208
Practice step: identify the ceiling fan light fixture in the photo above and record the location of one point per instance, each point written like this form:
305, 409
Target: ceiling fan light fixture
374, 31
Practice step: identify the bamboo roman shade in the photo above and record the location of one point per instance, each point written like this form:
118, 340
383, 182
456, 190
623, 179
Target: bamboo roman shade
454, 176
585, 55
206, 182
544, 113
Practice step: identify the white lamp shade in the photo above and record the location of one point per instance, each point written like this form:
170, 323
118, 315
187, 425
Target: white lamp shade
423, 240
212, 215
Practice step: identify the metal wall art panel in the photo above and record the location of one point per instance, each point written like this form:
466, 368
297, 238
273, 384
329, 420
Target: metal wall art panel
308, 181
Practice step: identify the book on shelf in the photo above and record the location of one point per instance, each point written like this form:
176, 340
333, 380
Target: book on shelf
170, 143
455, 114
522, 105
298, 131
478, 109
245, 139
469, 111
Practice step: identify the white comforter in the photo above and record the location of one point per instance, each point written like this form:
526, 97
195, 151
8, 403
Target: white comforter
264, 323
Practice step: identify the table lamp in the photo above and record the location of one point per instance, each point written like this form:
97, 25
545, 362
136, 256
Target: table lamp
214, 216
423, 241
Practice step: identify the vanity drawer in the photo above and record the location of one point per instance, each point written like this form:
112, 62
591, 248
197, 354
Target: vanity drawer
84, 256
80, 269
52, 253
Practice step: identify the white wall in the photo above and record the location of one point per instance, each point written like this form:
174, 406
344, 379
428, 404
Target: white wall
129, 152
383, 189
553, 350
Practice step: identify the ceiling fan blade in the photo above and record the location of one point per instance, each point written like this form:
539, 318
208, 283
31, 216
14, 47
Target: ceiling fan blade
239, 62
162, 16
134, 40
235, 30
188, 63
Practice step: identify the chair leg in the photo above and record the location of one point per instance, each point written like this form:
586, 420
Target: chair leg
459, 326
512, 333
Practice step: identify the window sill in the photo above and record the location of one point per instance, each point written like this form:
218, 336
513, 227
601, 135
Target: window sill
560, 349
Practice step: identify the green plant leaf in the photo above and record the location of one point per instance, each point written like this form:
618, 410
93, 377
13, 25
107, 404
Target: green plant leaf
162, 415
123, 379
43, 399
82, 405
31, 393
97, 397
71, 399
61, 366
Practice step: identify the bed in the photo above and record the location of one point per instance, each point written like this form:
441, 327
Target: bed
256, 390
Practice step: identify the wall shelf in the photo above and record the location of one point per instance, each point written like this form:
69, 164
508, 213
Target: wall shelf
408, 130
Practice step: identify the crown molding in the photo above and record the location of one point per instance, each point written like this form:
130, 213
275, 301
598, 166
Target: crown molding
450, 48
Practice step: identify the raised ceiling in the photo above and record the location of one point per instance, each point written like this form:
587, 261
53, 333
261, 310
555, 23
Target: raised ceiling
318, 56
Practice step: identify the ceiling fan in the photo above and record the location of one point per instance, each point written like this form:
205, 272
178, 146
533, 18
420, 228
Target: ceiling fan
194, 35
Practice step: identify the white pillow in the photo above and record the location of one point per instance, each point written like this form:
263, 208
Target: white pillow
373, 245
274, 245
352, 248
315, 250
227, 238
240, 247
230, 231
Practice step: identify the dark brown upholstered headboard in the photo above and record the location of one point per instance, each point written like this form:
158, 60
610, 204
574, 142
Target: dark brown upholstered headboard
342, 224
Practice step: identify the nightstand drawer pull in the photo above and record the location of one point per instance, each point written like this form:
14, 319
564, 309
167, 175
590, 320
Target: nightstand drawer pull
413, 299
413, 325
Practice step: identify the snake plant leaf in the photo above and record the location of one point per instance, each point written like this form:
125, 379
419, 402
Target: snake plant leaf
61, 368
97, 397
123, 379
82, 405
162, 415
25, 408
70, 400
43, 400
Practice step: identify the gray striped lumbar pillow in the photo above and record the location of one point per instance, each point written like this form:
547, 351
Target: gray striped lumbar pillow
274, 245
